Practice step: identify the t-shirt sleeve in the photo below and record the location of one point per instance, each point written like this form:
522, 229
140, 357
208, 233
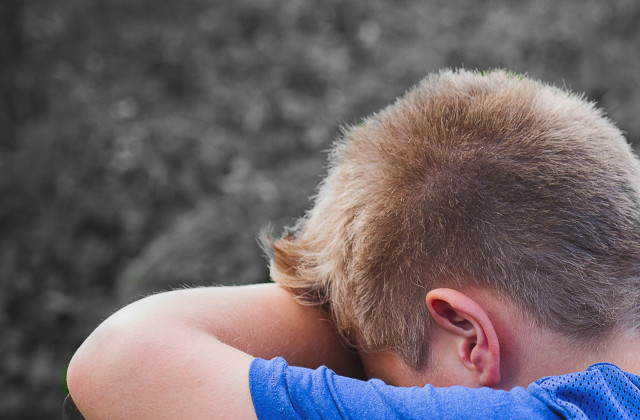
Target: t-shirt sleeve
288, 392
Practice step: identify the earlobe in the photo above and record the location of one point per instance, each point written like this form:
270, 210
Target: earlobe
475, 337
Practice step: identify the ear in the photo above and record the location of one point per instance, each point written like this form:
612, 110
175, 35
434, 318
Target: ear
474, 334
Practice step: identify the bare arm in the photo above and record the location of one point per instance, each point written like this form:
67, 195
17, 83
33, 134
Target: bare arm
186, 354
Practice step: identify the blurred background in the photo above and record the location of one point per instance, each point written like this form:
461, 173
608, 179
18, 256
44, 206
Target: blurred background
143, 144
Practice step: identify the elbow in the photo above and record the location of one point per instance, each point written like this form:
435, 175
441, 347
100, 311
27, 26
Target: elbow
78, 381
83, 379
94, 370
109, 362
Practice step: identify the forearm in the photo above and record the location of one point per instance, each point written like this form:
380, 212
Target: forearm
179, 345
265, 321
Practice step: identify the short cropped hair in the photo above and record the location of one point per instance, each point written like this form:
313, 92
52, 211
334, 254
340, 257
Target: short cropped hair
487, 179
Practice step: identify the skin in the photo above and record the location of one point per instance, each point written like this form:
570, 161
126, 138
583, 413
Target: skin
186, 354
480, 340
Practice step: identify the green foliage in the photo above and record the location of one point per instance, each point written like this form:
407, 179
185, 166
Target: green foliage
144, 144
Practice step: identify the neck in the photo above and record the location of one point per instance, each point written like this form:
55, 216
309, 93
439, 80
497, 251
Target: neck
624, 351
548, 354
529, 352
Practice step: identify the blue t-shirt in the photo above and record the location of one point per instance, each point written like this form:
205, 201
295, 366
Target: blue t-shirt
288, 392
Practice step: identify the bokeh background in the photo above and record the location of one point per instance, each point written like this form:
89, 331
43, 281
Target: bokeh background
143, 144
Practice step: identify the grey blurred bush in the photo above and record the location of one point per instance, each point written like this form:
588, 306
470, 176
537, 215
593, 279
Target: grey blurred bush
144, 144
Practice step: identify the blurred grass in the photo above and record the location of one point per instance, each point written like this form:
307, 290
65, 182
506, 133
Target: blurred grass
143, 144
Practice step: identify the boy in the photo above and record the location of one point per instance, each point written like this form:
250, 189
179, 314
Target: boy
475, 247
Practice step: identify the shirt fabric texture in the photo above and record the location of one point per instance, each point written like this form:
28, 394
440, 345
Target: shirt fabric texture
288, 392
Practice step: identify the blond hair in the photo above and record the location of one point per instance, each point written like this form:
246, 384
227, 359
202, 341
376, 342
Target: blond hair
489, 179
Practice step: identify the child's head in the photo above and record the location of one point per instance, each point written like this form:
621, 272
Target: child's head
472, 179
